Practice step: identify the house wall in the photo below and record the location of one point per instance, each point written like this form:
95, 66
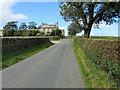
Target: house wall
1, 32
48, 28
63, 32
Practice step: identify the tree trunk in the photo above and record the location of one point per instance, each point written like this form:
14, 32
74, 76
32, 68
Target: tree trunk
87, 31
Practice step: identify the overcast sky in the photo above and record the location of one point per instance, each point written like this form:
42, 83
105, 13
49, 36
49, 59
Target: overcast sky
47, 12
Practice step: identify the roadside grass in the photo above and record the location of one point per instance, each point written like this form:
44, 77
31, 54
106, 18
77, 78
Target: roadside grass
93, 77
11, 58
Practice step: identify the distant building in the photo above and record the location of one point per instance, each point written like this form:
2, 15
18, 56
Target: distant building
46, 28
63, 32
1, 32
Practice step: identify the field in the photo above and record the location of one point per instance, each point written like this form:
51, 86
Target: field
105, 37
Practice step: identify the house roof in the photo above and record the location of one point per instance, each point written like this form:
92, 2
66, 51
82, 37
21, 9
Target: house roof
48, 26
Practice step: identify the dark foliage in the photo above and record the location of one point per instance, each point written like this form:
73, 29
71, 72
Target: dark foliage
87, 14
104, 54
56, 32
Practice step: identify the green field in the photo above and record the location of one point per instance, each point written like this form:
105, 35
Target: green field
11, 58
105, 37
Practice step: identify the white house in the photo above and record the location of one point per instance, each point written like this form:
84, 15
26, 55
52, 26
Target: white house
1, 32
63, 32
46, 28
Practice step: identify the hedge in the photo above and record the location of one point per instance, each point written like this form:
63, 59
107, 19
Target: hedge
104, 53
10, 44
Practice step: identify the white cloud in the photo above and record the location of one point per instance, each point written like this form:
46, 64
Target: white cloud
63, 27
104, 25
7, 13
106, 30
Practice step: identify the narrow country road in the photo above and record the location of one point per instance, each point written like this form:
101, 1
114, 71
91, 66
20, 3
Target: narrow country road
55, 67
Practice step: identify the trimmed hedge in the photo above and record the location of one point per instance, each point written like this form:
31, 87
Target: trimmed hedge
10, 44
104, 53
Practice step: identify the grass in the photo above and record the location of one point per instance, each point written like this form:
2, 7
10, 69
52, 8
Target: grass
107, 38
104, 37
93, 78
11, 58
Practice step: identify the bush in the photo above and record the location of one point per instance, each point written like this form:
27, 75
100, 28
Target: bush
21, 33
10, 33
4, 33
56, 32
18, 33
41, 33
34, 32
28, 33
104, 54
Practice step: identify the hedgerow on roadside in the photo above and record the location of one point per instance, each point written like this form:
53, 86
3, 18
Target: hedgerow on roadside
104, 54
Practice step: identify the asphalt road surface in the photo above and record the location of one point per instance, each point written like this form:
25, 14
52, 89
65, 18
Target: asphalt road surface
55, 67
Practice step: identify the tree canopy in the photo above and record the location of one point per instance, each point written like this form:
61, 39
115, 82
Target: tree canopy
32, 25
87, 14
73, 29
23, 26
12, 25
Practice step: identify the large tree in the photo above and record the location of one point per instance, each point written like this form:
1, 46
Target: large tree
12, 25
73, 29
23, 26
87, 14
32, 25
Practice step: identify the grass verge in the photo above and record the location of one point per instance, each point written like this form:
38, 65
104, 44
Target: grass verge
11, 58
93, 78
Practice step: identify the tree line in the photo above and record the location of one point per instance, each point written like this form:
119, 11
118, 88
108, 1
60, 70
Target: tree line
85, 15
12, 25
12, 29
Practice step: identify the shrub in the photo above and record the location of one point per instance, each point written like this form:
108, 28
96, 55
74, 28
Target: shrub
24, 32
56, 32
28, 33
4, 33
18, 33
10, 33
21, 33
34, 32
41, 33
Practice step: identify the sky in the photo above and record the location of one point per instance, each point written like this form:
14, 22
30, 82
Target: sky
46, 12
